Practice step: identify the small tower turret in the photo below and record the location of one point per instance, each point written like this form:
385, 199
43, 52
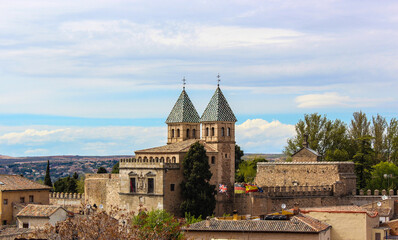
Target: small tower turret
183, 120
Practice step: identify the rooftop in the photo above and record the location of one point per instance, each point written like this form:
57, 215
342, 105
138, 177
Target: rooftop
308, 149
36, 210
16, 182
183, 111
176, 147
341, 209
298, 223
218, 109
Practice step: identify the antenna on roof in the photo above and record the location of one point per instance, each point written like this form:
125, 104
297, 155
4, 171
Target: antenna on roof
184, 82
218, 80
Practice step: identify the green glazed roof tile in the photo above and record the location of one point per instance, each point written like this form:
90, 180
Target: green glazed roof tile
218, 109
183, 111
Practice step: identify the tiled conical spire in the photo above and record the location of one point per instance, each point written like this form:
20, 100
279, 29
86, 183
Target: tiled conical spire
183, 111
218, 109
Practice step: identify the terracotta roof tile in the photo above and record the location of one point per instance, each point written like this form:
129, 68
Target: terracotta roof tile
36, 210
176, 147
16, 182
298, 223
341, 209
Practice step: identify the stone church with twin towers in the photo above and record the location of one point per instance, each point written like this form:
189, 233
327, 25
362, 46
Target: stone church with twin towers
152, 178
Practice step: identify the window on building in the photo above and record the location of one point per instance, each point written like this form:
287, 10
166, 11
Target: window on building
22, 200
207, 132
5, 201
213, 160
212, 131
178, 132
172, 186
151, 185
132, 185
172, 133
377, 236
31, 199
187, 133
25, 225
4, 222
193, 133
222, 132
228, 132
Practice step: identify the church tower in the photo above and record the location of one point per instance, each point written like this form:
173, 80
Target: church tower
183, 120
218, 132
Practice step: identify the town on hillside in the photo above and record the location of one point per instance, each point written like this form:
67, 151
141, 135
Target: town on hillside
199, 185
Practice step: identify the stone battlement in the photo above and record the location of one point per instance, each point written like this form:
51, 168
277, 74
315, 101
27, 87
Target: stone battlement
102, 175
376, 192
292, 191
153, 162
62, 195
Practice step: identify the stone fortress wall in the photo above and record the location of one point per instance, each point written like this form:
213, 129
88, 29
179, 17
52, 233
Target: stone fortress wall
291, 177
73, 202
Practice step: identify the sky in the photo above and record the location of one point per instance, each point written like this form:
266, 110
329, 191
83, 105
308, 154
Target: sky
100, 77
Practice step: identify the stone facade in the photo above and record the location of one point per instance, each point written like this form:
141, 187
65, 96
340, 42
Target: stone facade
152, 179
340, 175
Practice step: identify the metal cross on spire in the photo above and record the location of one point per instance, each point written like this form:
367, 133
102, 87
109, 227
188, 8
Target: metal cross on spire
218, 80
183, 83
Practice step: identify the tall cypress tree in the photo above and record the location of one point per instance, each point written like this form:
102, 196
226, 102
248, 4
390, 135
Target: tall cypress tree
47, 178
197, 193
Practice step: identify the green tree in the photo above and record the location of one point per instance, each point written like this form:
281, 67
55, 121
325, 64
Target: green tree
102, 170
379, 181
363, 160
238, 159
379, 141
157, 224
360, 126
324, 135
391, 141
115, 168
67, 184
197, 193
47, 178
248, 169
80, 184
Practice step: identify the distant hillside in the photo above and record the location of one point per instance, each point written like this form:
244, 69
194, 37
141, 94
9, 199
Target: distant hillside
61, 166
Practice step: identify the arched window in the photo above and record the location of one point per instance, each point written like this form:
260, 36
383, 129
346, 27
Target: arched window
187, 133
213, 160
174, 159
172, 133
207, 132
212, 131
151, 159
222, 131
193, 133
167, 159
157, 159
178, 132
228, 132
139, 159
162, 159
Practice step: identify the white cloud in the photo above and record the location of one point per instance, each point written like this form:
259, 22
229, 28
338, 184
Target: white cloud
261, 136
29, 135
333, 99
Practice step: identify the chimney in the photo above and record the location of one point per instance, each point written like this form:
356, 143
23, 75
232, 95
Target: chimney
305, 142
235, 215
296, 209
207, 223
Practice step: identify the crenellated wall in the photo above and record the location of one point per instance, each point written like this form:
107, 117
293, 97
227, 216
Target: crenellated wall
70, 201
